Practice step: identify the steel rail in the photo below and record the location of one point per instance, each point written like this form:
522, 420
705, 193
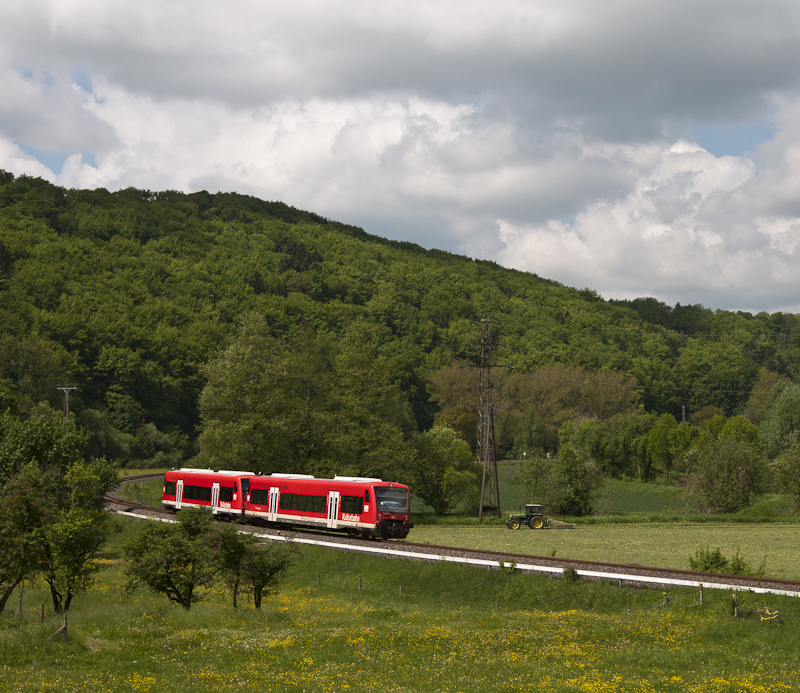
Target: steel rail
495, 560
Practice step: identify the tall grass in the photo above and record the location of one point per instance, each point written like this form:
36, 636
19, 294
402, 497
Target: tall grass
357, 623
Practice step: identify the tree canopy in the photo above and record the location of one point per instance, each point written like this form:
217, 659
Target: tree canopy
132, 294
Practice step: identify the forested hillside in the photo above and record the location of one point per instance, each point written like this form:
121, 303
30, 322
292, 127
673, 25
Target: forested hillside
131, 295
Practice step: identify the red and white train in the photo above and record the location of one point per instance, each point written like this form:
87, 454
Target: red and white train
357, 505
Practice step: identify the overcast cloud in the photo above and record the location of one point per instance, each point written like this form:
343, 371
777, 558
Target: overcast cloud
636, 148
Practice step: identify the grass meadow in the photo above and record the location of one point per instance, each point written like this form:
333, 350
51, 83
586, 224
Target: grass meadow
657, 545
345, 623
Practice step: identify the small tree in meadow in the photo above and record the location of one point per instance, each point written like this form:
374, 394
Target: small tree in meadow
173, 559
264, 565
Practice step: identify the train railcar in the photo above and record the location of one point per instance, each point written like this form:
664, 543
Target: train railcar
356, 505
223, 492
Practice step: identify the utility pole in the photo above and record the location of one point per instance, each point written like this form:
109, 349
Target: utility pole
66, 389
490, 487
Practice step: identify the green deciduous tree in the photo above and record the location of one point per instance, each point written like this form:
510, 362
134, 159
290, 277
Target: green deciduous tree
264, 565
530, 440
310, 380
45, 437
788, 469
742, 430
659, 445
35, 366
59, 523
443, 472
174, 559
781, 418
26, 506
725, 475
244, 407
181, 560
71, 542
565, 484
52, 503
372, 413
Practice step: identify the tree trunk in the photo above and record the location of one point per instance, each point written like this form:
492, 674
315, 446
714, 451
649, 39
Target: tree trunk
8, 592
56, 595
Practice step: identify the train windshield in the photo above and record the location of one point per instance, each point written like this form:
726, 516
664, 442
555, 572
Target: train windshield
391, 500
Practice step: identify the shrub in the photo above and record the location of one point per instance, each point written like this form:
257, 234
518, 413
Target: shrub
707, 561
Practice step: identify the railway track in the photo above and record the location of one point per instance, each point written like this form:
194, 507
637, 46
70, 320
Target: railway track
625, 574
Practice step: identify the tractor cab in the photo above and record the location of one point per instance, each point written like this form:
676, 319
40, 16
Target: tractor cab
533, 518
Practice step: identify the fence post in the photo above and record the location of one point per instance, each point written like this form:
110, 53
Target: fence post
735, 606
701, 595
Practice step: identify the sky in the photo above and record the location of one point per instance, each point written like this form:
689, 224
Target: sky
634, 148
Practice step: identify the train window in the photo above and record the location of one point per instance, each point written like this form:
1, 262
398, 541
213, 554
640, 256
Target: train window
200, 493
259, 496
226, 494
391, 500
352, 504
366, 496
303, 503
170, 488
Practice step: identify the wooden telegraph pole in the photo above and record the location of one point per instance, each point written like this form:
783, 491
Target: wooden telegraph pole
66, 389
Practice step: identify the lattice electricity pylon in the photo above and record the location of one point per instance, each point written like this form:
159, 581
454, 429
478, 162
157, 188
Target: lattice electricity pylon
490, 487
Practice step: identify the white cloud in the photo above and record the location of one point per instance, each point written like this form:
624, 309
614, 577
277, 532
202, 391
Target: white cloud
12, 158
549, 135
686, 229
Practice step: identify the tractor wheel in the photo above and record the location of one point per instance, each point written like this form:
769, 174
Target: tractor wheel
514, 524
536, 523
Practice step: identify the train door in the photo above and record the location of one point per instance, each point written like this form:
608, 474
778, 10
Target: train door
179, 494
272, 512
215, 498
333, 508
245, 492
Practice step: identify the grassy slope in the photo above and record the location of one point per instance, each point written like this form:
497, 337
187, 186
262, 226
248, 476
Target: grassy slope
495, 631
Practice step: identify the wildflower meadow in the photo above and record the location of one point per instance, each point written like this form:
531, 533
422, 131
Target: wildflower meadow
344, 623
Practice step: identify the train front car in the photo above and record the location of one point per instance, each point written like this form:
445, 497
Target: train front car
222, 492
357, 505
392, 509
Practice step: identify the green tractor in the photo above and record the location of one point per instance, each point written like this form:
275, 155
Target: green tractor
533, 518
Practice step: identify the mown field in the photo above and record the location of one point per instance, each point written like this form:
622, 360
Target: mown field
344, 623
667, 545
